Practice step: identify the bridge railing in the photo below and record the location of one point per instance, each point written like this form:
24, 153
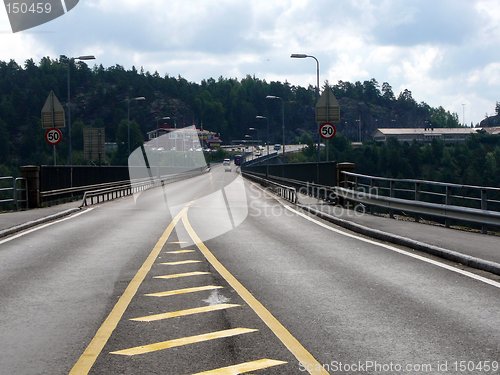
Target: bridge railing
464, 204
473, 204
79, 190
285, 191
100, 193
13, 193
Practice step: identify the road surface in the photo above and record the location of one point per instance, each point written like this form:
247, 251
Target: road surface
213, 273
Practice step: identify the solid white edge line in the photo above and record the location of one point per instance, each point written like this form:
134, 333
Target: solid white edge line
395, 249
388, 247
41, 226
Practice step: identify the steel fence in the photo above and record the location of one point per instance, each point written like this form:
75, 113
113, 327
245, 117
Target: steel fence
473, 204
101, 194
13, 193
465, 204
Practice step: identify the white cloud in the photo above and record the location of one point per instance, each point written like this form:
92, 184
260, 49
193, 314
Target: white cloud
446, 52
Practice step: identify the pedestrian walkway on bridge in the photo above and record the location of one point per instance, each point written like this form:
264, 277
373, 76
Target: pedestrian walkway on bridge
467, 247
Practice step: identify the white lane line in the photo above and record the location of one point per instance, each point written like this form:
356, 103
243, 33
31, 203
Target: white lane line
395, 249
388, 247
34, 229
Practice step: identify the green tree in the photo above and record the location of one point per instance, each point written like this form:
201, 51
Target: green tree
387, 92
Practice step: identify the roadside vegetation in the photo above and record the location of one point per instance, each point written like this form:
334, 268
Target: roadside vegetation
226, 106
475, 162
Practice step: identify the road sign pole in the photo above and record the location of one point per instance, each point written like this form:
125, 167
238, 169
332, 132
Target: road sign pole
70, 149
53, 125
327, 111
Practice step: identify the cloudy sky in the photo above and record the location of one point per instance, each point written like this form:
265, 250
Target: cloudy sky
447, 52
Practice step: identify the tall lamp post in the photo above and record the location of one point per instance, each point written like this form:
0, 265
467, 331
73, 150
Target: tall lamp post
128, 100
157, 122
272, 97
267, 130
246, 139
303, 56
251, 131
267, 141
70, 59
157, 135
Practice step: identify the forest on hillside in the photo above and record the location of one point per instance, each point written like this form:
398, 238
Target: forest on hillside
475, 162
224, 105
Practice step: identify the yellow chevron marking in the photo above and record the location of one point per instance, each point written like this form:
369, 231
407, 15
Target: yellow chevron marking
175, 314
243, 368
143, 349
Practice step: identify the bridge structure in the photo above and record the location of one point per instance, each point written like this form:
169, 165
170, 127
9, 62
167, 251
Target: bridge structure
310, 268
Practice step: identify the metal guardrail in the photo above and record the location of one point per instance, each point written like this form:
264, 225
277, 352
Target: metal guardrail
453, 202
286, 192
323, 192
81, 189
13, 192
260, 159
431, 209
106, 194
466, 203
131, 187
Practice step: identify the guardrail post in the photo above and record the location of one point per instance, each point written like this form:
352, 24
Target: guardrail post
484, 206
32, 175
344, 167
391, 194
14, 192
342, 179
370, 209
447, 202
417, 198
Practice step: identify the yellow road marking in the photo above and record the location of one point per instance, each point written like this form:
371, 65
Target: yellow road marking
169, 293
175, 314
180, 251
180, 262
243, 368
177, 242
293, 345
183, 341
89, 356
177, 275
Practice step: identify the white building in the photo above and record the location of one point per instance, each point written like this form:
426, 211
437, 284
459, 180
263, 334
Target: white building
409, 135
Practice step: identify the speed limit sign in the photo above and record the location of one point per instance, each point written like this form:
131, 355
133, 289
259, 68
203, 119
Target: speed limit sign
53, 136
327, 130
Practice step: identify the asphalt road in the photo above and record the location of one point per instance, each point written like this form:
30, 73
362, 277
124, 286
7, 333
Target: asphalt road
239, 280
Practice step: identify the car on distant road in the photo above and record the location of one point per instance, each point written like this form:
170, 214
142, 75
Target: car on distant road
227, 165
239, 159
277, 147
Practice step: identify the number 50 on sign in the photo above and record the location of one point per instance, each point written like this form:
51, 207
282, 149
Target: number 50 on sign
53, 136
327, 130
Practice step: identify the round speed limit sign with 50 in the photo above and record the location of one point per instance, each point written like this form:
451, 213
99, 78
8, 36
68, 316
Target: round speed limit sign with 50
53, 136
327, 130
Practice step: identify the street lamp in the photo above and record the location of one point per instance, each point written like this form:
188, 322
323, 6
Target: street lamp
267, 141
70, 147
251, 131
272, 97
172, 118
157, 122
128, 100
359, 129
303, 56
267, 131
